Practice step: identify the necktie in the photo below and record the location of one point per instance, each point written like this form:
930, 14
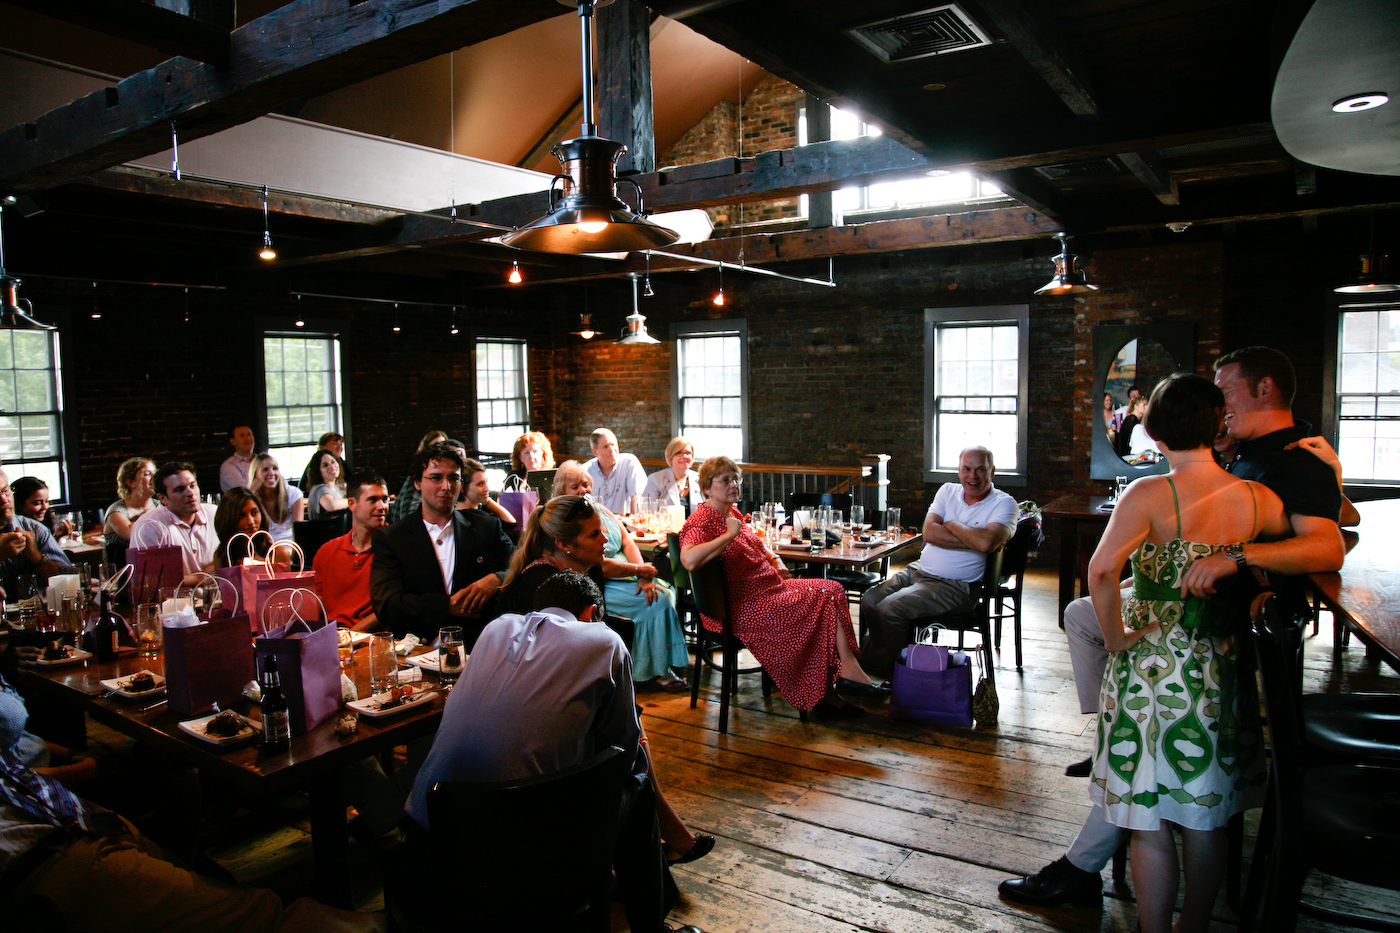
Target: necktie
42, 796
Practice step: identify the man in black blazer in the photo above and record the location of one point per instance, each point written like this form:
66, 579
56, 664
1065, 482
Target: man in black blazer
414, 557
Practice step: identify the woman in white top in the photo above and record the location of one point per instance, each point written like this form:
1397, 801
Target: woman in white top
678, 484
284, 504
134, 485
325, 478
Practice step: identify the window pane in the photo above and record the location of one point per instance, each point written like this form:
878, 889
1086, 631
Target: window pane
975, 395
1368, 393
710, 376
502, 394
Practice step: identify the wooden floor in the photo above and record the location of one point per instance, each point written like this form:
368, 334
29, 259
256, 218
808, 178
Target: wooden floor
867, 824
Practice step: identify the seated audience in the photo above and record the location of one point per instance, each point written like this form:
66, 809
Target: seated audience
343, 565
284, 504
333, 442
476, 494
324, 478
26, 547
967, 521
32, 500
678, 484
234, 470
1123, 443
544, 692
415, 557
632, 590
618, 478
799, 630
136, 489
531, 452
181, 520
406, 503
240, 512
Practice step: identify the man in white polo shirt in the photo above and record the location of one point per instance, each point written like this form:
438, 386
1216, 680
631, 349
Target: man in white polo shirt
967, 521
182, 520
617, 478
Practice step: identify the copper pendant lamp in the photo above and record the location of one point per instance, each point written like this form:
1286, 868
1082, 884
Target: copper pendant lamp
1069, 277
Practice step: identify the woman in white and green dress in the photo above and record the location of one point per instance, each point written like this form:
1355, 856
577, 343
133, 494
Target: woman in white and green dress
1176, 746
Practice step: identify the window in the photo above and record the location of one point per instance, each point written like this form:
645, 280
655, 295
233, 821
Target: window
301, 373
31, 433
711, 386
502, 394
1368, 391
975, 375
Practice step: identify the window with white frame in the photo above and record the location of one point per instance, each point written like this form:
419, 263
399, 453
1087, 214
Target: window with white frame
31, 429
301, 374
711, 378
502, 394
976, 387
927, 191
1368, 392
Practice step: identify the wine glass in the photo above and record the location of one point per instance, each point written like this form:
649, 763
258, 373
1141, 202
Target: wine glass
449, 655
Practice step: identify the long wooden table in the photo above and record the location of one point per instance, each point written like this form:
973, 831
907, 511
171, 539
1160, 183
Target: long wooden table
312, 763
1365, 595
848, 555
1082, 522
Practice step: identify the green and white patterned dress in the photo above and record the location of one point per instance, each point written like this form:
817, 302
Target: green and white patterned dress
1178, 739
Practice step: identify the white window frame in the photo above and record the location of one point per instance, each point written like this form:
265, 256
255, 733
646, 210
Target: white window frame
293, 457
52, 466
737, 327
936, 318
480, 348
1335, 413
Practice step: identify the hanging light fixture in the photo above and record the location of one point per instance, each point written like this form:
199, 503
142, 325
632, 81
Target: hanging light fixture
636, 321
1069, 278
1371, 278
589, 216
585, 327
513, 276
453, 331
267, 252
11, 317
396, 318
646, 283
719, 295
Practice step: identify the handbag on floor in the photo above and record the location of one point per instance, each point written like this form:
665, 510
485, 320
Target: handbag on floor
932, 685
986, 705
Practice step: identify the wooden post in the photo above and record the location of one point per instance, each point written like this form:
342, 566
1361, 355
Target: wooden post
624, 83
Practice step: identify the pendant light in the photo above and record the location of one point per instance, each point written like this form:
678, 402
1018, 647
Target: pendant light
1069, 278
636, 321
267, 252
11, 317
1371, 279
589, 216
513, 276
585, 327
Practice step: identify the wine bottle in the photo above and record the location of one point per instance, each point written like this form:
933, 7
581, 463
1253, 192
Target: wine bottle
107, 632
277, 722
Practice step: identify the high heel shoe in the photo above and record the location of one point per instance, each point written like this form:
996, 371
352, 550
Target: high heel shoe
701, 848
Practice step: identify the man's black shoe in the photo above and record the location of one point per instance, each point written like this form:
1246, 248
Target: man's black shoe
1055, 885
1081, 768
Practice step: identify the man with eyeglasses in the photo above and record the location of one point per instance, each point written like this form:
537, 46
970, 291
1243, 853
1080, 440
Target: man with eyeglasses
439, 565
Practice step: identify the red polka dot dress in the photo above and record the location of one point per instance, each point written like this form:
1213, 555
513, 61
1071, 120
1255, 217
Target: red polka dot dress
789, 625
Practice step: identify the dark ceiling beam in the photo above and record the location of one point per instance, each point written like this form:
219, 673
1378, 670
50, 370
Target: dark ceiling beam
136, 181
300, 50
1028, 188
624, 108
1147, 167
1031, 31
198, 30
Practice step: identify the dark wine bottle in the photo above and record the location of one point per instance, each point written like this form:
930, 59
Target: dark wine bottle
277, 722
107, 632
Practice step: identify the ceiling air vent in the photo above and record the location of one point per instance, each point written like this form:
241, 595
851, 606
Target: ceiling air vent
1094, 168
936, 31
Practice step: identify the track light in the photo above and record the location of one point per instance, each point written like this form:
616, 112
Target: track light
267, 252
453, 331
514, 277
397, 329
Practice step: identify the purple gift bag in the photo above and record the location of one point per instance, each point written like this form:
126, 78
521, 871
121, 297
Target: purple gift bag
931, 687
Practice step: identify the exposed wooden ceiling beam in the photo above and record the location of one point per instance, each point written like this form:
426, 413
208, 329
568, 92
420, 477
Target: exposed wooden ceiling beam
624, 110
305, 48
1032, 32
137, 181
199, 31
1148, 168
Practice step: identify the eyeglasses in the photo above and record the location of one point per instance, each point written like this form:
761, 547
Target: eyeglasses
730, 480
454, 479
583, 506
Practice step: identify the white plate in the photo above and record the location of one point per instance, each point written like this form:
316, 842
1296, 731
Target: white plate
358, 638
118, 686
868, 543
428, 661
370, 707
1106, 506
195, 727
74, 656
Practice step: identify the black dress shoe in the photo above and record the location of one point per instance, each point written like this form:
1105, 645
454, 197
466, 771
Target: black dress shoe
852, 688
1081, 768
702, 847
1057, 884
826, 710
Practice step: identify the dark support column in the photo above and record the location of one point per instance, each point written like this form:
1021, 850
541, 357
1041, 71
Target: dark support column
624, 83
819, 213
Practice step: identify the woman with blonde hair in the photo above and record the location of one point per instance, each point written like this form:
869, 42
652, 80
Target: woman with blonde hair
136, 497
284, 504
677, 484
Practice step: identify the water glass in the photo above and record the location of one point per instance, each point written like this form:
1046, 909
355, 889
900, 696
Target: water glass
1120, 485
816, 524
449, 654
857, 518
892, 523
383, 663
148, 633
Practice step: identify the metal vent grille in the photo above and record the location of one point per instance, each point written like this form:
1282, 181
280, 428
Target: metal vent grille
1094, 168
936, 31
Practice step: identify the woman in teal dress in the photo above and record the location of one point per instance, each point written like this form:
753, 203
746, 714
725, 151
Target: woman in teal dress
1176, 747
632, 590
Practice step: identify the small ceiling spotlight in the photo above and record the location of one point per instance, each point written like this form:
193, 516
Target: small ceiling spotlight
719, 295
397, 329
1069, 278
96, 314
513, 276
454, 330
267, 252
646, 283
1355, 103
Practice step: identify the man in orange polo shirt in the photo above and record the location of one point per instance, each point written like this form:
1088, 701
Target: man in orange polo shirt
342, 564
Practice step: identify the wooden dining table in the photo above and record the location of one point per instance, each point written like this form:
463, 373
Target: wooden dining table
313, 763
1082, 520
1365, 595
850, 554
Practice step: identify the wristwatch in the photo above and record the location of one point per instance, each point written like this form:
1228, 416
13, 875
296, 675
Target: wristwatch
1236, 553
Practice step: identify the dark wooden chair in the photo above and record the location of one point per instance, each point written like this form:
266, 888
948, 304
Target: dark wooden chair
1015, 554
311, 534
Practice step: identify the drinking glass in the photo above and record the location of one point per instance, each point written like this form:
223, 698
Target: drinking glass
449, 655
816, 523
383, 663
345, 647
857, 518
148, 634
1120, 483
892, 523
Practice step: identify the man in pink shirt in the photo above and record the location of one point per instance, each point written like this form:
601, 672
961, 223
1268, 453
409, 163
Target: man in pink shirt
343, 564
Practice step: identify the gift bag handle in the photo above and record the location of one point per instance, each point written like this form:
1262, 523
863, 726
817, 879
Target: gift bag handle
220, 583
514, 483
291, 546
228, 548
294, 602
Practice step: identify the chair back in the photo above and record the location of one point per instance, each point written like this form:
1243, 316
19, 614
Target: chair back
1017, 551
311, 534
680, 577
986, 588
805, 500
526, 850
711, 589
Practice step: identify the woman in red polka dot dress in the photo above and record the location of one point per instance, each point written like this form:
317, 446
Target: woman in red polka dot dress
799, 630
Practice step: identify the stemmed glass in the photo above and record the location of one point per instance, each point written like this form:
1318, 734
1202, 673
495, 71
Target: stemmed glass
858, 518
449, 655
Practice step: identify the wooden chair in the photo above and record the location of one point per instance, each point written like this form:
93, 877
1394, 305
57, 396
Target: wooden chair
685, 595
711, 589
978, 618
311, 534
1015, 554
